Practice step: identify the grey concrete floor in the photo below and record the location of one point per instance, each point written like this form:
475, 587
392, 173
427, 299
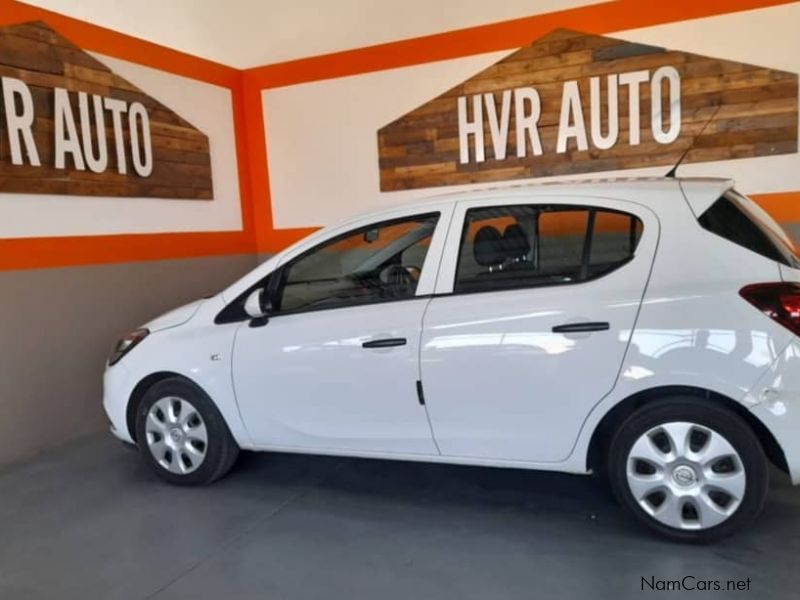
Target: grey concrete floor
89, 521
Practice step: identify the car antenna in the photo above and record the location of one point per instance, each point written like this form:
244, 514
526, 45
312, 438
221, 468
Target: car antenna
674, 169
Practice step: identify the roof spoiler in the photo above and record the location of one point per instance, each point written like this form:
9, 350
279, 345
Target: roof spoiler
700, 194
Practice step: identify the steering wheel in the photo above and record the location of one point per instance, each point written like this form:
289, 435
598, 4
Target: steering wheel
414, 272
396, 276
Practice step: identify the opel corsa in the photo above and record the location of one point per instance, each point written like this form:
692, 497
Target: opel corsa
643, 329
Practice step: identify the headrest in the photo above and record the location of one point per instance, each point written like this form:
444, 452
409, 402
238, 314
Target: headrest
515, 242
488, 247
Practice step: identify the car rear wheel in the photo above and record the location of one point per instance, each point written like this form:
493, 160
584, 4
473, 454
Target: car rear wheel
181, 434
689, 471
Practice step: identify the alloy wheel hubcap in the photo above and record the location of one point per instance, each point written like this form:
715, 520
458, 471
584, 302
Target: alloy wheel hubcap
685, 475
176, 435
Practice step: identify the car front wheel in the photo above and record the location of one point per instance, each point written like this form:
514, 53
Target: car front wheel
690, 471
181, 434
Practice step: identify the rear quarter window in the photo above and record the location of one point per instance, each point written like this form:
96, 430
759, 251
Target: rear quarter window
732, 218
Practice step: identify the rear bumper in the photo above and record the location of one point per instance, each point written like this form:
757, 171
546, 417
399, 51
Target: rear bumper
783, 420
775, 401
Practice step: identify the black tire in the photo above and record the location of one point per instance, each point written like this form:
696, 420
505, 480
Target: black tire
706, 415
221, 450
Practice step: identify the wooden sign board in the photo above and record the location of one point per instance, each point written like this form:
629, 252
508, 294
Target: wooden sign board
69, 125
576, 103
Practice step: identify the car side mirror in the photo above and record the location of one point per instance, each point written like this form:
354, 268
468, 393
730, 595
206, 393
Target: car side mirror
258, 307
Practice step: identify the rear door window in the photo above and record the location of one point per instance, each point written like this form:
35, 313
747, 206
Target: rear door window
517, 246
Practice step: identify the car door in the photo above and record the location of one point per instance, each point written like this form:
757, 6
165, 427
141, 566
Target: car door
534, 310
335, 367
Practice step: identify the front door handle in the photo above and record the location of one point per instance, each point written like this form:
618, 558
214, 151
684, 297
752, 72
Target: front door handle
582, 327
385, 343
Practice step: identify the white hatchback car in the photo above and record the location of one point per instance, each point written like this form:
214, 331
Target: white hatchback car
643, 328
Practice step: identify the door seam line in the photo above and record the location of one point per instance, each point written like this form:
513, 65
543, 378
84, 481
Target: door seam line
419, 375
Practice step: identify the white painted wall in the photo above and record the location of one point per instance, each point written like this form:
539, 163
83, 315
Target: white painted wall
322, 136
205, 106
322, 141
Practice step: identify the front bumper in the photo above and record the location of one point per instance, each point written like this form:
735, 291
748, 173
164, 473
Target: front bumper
117, 389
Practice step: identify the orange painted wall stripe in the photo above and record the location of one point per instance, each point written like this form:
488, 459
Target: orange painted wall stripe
46, 252
784, 207
602, 18
241, 128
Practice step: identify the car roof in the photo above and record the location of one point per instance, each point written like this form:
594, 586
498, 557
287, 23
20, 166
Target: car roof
622, 188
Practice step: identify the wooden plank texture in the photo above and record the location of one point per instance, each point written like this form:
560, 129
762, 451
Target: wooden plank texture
756, 114
43, 59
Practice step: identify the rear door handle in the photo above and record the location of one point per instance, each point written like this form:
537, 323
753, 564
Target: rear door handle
384, 343
581, 327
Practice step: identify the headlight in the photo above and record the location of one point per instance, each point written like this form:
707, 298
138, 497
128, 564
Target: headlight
126, 344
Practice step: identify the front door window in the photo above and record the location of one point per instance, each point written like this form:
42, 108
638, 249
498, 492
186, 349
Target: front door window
378, 263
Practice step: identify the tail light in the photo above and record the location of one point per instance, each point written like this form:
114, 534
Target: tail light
779, 301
